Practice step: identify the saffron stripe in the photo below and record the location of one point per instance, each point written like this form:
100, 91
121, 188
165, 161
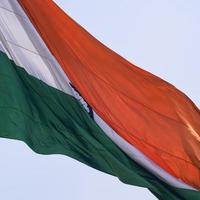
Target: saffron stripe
147, 112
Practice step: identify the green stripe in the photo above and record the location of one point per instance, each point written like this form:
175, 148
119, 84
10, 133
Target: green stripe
52, 122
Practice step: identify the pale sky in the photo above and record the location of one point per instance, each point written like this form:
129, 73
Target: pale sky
161, 36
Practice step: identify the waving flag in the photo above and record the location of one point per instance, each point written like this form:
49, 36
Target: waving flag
62, 91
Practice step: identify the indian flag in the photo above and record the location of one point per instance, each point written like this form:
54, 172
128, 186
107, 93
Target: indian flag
62, 91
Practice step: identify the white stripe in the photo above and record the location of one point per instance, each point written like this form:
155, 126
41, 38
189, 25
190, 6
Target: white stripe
22, 43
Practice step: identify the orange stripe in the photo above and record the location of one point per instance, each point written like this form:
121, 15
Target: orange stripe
148, 112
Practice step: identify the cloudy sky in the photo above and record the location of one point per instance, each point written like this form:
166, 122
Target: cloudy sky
161, 36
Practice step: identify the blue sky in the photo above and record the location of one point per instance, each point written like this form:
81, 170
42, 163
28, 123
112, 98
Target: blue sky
159, 36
